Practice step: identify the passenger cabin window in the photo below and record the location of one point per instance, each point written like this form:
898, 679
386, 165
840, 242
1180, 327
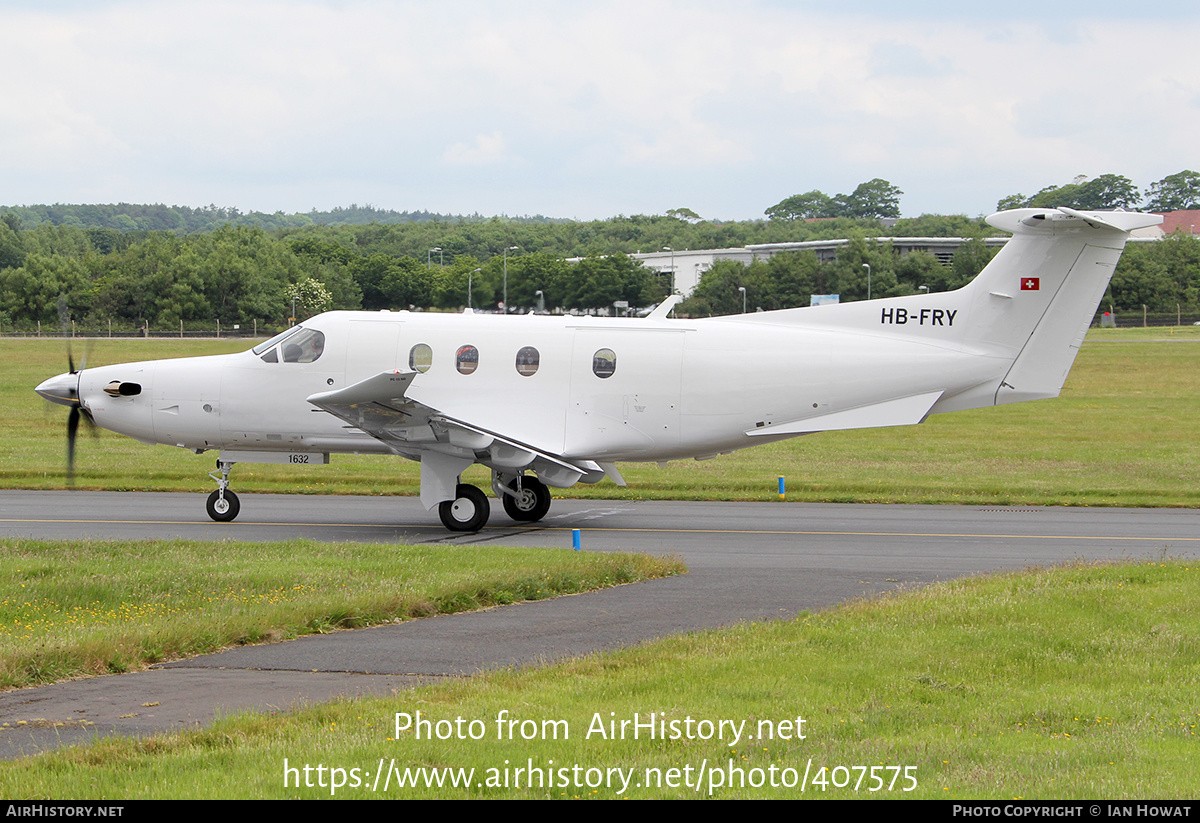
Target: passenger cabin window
420, 358
467, 359
604, 363
528, 361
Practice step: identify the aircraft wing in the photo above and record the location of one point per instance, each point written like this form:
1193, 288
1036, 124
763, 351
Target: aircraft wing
380, 407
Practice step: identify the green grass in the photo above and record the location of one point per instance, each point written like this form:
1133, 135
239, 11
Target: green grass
1125, 432
1073, 683
71, 609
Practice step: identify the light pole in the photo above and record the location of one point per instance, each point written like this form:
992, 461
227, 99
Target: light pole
867, 266
541, 300
507, 249
441, 257
470, 278
672, 251
742, 289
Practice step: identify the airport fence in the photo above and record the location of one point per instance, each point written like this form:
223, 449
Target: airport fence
210, 330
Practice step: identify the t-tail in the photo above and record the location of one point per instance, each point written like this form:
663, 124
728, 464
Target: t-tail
1037, 297
1027, 311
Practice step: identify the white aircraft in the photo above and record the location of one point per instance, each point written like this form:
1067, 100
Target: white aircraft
552, 401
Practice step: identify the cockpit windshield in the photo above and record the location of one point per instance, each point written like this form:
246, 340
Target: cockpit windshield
283, 335
297, 345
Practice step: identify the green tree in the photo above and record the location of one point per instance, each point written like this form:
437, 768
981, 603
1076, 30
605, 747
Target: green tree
801, 206
12, 250
31, 293
1013, 201
1106, 192
851, 275
792, 279
920, 268
873, 199
309, 296
1142, 278
718, 292
970, 259
1110, 191
1175, 192
685, 214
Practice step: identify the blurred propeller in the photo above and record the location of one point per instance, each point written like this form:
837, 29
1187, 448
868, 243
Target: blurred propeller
64, 390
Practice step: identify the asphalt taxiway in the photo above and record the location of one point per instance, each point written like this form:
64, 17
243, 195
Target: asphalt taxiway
747, 561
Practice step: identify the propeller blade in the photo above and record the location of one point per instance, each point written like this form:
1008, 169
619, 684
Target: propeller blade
72, 431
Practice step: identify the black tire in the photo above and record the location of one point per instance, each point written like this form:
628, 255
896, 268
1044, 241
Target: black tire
467, 512
223, 510
531, 503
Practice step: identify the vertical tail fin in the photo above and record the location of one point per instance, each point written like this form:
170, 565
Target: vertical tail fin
1037, 297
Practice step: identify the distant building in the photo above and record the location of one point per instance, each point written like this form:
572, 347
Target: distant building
686, 267
1187, 220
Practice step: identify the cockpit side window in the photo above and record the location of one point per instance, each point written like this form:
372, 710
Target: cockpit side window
298, 345
306, 347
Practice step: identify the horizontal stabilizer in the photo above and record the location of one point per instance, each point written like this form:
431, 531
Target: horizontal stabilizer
904, 411
1021, 221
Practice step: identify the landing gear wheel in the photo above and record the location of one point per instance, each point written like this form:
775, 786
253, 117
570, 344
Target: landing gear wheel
531, 503
223, 509
467, 512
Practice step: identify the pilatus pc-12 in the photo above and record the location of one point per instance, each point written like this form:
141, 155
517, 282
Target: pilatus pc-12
553, 401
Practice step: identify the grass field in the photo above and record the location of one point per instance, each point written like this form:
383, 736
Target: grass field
81, 608
1074, 683
1067, 683
1125, 432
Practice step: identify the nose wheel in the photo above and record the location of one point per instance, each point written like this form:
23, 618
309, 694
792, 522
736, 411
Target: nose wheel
223, 505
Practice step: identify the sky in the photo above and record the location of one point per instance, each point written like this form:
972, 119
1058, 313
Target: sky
589, 109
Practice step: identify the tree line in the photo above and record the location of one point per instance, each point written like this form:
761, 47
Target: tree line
1106, 192
237, 273
1160, 277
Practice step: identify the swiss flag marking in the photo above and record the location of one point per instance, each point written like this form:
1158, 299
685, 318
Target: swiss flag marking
1030, 283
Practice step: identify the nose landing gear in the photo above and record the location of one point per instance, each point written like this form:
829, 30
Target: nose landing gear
223, 505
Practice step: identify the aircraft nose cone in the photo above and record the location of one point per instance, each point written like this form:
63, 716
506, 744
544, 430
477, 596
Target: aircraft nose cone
63, 389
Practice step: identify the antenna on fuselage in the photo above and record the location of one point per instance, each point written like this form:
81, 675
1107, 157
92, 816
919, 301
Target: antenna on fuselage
664, 308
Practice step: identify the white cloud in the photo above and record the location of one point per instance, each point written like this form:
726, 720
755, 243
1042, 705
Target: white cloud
584, 110
484, 150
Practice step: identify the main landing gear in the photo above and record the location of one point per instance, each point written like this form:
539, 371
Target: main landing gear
467, 512
526, 499
223, 505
